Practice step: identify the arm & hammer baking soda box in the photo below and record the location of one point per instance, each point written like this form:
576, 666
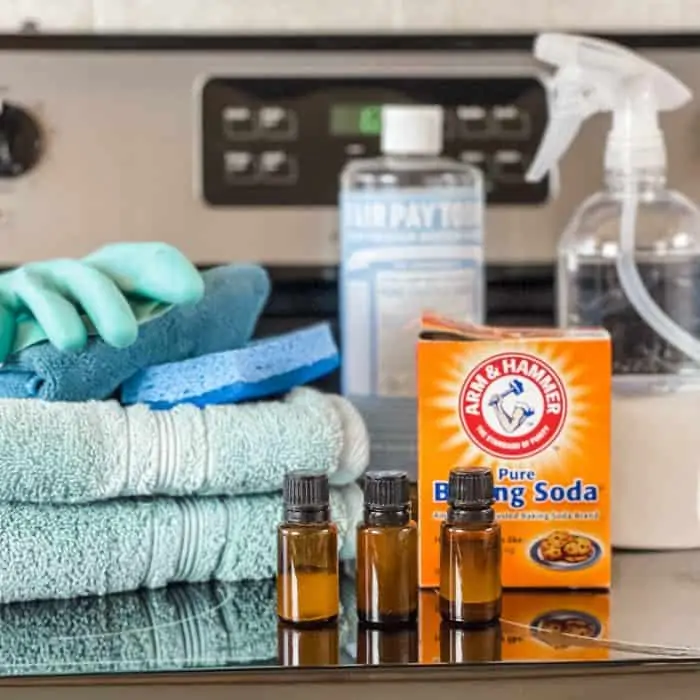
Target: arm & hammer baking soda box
534, 406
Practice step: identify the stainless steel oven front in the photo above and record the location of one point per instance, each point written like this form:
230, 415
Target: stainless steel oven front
230, 148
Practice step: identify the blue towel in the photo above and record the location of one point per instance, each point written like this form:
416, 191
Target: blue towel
223, 320
69, 551
56, 452
192, 626
263, 368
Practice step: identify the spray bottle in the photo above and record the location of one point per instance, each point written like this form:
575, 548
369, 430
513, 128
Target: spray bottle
629, 260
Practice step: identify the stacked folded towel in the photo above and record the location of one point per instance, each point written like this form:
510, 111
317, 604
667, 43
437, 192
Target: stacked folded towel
63, 551
100, 498
61, 452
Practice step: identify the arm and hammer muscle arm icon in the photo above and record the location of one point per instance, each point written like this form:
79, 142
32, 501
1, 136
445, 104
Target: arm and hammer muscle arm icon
510, 422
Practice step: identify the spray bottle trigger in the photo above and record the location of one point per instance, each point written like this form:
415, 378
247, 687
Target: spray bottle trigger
560, 133
574, 99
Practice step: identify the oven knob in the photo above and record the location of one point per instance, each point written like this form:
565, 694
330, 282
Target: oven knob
20, 140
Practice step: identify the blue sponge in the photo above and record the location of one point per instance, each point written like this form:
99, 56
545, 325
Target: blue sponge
262, 368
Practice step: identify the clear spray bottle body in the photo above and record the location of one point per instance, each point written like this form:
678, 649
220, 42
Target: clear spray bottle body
629, 261
656, 388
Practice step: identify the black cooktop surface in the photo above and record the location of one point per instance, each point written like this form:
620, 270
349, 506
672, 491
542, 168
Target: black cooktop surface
217, 626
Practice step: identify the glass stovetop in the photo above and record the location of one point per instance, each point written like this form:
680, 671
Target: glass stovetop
655, 601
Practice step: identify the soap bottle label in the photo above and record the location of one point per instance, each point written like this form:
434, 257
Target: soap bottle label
403, 252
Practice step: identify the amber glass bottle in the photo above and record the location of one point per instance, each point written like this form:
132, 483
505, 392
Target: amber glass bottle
387, 552
307, 552
307, 646
470, 550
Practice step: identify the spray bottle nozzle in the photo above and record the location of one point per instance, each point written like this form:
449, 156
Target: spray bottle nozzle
598, 76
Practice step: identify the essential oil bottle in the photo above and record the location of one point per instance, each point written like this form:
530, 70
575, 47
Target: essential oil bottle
307, 552
387, 552
470, 550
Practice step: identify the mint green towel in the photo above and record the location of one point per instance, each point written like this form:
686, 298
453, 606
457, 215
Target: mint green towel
66, 452
66, 551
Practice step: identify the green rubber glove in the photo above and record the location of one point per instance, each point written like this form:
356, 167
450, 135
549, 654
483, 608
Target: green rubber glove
108, 293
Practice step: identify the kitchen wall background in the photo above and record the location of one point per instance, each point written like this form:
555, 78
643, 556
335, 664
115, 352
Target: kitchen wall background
420, 16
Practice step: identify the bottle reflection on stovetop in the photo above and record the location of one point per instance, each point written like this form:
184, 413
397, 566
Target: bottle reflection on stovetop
595, 297
517, 295
377, 646
462, 645
310, 646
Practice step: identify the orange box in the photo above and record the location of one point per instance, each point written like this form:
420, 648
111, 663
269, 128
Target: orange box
535, 626
534, 406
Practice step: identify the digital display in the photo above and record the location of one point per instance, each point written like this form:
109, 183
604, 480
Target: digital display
356, 120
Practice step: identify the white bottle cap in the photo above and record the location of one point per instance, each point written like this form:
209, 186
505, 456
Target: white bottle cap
412, 130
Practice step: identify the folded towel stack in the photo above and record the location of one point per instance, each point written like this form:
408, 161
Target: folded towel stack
99, 498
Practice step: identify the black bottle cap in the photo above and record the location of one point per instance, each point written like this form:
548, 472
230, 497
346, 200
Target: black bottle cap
305, 491
470, 488
387, 490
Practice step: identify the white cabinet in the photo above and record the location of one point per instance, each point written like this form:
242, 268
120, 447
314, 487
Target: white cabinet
351, 16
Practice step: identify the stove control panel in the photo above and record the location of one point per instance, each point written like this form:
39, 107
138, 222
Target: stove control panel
283, 142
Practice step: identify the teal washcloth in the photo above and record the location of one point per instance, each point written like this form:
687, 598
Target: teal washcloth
68, 551
180, 627
223, 319
75, 452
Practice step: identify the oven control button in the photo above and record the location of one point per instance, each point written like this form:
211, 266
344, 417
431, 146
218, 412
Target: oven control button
509, 166
278, 168
20, 140
278, 122
473, 121
476, 158
511, 122
239, 167
238, 122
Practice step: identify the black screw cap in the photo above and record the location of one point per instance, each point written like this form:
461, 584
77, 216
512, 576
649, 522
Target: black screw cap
470, 488
387, 490
306, 490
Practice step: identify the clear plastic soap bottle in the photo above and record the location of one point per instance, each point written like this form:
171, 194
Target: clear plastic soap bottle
411, 240
629, 261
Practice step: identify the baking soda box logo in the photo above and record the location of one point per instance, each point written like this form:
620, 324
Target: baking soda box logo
534, 406
513, 405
